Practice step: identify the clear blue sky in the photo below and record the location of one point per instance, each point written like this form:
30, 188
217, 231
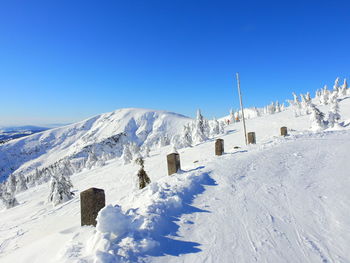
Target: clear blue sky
63, 61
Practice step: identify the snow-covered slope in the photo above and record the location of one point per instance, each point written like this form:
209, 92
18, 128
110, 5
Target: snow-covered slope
96, 135
281, 200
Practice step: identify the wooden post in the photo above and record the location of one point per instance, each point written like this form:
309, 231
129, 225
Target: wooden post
219, 147
284, 131
173, 161
91, 202
251, 138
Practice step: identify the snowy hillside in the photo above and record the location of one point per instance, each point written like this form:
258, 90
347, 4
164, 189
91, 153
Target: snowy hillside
284, 199
102, 134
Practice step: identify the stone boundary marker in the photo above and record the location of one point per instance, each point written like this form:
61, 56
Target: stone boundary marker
284, 131
173, 161
251, 138
219, 147
92, 201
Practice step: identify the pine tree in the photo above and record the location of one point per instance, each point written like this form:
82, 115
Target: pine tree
21, 184
336, 86
60, 189
127, 155
324, 95
317, 118
278, 107
200, 128
344, 88
334, 115
215, 128
187, 135
8, 199
144, 180
146, 151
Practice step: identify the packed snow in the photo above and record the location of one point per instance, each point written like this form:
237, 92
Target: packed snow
284, 199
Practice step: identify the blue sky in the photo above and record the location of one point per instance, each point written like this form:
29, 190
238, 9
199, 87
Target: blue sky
63, 61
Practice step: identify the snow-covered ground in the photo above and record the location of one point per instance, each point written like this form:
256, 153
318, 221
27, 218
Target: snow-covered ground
281, 200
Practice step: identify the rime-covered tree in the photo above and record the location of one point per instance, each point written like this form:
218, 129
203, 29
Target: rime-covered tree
344, 88
143, 178
8, 199
336, 86
222, 127
324, 99
21, 184
146, 151
187, 135
215, 127
271, 108
334, 115
277, 107
317, 118
60, 189
126, 155
200, 128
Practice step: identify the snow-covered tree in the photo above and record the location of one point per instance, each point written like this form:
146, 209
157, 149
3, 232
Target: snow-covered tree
336, 86
222, 127
305, 104
127, 155
317, 118
324, 98
187, 135
215, 127
200, 128
8, 199
91, 159
21, 184
60, 189
11, 184
271, 108
146, 151
277, 107
344, 88
144, 180
334, 114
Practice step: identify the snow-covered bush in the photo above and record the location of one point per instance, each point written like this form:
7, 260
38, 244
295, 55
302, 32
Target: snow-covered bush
60, 189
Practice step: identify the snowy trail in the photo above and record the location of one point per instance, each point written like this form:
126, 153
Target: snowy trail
274, 205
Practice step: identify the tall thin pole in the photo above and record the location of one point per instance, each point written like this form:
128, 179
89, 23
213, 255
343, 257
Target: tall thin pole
240, 100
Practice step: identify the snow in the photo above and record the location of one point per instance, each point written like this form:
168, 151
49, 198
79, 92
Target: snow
284, 199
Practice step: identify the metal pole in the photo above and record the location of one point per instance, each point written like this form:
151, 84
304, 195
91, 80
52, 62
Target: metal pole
240, 100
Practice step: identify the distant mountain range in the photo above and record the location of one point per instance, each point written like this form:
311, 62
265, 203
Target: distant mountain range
14, 132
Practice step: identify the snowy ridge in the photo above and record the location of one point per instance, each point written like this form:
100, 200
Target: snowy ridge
141, 126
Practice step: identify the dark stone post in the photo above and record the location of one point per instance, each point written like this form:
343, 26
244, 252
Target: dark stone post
251, 138
284, 131
91, 202
219, 147
173, 160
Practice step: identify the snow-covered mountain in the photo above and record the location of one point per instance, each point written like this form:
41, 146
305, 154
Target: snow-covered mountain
102, 134
284, 199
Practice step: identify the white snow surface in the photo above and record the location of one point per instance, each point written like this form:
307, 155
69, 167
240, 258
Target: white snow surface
285, 199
